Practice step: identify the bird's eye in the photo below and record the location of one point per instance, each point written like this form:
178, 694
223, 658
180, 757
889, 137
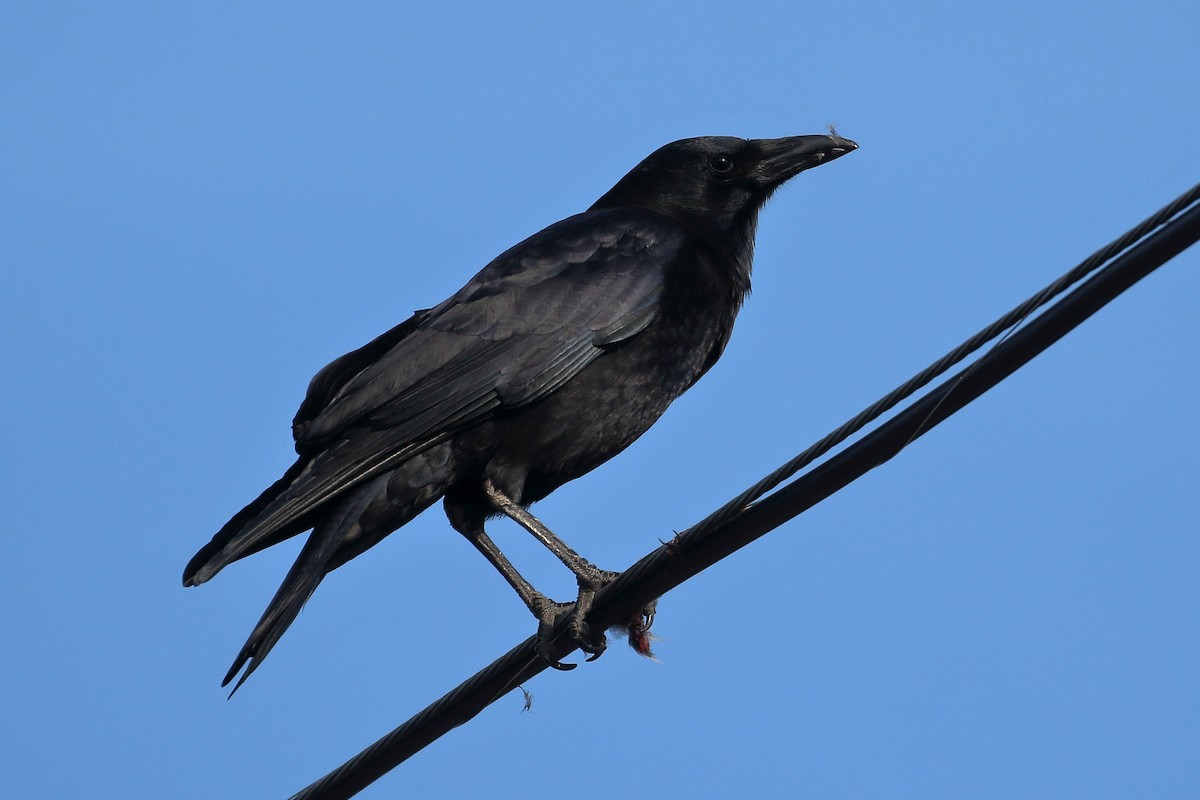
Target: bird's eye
720, 164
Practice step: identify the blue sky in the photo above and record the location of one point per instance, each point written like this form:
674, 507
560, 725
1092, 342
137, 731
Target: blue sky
203, 203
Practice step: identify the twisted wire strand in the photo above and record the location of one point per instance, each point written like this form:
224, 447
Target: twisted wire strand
1005, 323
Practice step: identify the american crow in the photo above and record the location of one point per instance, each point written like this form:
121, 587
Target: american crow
553, 359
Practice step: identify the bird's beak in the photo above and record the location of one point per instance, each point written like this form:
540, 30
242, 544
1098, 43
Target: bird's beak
788, 157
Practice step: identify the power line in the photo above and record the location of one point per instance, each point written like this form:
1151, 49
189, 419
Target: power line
1112, 270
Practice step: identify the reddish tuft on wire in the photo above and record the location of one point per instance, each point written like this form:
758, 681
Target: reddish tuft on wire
637, 631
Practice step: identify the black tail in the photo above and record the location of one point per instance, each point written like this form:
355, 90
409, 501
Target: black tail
342, 524
343, 527
234, 527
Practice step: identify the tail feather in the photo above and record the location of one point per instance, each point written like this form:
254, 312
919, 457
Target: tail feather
342, 528
302, 579
195, 573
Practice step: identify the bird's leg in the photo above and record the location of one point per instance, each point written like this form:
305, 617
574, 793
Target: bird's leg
590, 578
545, 609
584, 569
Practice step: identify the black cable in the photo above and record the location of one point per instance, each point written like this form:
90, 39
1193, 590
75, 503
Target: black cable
905, 390
705, 544
737, 523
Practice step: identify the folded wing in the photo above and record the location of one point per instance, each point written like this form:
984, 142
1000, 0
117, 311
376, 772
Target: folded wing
519, 330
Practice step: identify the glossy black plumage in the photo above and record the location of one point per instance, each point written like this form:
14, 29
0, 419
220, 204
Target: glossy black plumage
551, 360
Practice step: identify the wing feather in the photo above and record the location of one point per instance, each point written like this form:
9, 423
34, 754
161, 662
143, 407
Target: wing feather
519, 330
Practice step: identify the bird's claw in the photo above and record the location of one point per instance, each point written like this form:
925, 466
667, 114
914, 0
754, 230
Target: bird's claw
581, 635
594, 644
548, 612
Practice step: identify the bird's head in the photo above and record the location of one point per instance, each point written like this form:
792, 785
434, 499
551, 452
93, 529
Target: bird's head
715, 185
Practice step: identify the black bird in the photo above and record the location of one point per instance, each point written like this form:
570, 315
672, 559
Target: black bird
553, 359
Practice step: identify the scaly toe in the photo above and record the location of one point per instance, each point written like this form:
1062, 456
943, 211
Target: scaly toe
547, 614
582, 636
581, 633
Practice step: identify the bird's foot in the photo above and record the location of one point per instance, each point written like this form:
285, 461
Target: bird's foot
592, 581
548, 612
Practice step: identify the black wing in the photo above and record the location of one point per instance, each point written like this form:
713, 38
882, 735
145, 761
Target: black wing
321, 389
520, 329
337, 373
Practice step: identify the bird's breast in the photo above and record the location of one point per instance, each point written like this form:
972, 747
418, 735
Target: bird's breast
613, 400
